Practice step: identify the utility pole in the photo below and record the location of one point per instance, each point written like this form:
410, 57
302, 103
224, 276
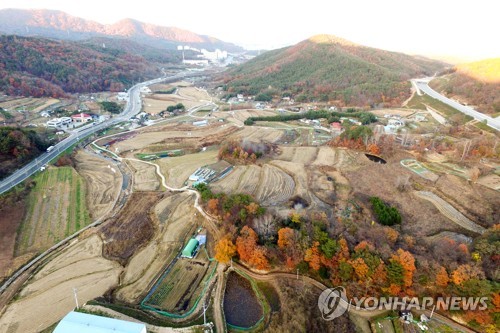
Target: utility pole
297, 273
466, 149
76, 298
204, 312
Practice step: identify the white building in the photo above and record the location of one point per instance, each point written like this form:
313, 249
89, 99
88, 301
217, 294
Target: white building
200, 123
54, 123
217, 55
65, 120
79, 322
196, 62
122, 96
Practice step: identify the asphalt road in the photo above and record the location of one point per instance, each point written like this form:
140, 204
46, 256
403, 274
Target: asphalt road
491, 122
132, 107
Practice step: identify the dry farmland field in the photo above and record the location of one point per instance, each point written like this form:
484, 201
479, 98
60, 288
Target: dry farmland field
56, 209
182, 285
178, 169
177, 220
269, 184
103, 182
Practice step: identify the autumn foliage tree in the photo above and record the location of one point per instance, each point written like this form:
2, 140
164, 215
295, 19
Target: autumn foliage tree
407, 262
312, 256
464, 273
224, 250
249, 251
360, 268
213, 206
287, 243
246, 243
442, 277
372, 148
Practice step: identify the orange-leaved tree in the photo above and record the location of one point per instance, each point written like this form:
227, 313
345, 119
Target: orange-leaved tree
360, 268
407, 261
288, 243
246, 243
224, 250
442, 277
285, 238
312, 256
464, 273
213, 206
258, 258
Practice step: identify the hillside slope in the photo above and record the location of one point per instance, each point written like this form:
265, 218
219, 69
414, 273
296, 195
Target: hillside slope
328, 68
43, 67
18, 146
476, 83
59, 25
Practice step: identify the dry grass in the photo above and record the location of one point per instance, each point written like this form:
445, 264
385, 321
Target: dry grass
46, 104
145, 178
178, 169
175, 217
258, 134
102, 179
167, 137
49, 295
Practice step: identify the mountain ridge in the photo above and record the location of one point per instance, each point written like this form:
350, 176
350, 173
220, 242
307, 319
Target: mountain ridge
60, 25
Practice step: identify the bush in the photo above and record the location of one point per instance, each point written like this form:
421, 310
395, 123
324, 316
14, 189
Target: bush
364, 117
173, 108
111, 107
385, 214
264, 97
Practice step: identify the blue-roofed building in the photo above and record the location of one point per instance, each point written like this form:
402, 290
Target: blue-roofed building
77, 322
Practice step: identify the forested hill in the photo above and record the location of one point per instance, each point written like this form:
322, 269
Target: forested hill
476, 83
60, 25
18, 146
43, 67
327, 68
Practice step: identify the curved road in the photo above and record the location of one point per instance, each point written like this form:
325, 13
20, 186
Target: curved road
132, 108
422, 85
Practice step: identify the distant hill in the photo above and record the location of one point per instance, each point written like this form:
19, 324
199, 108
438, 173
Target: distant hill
43, 67
477, 83
59, 25
328, 68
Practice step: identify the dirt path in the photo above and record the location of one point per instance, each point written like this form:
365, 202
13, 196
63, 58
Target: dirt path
220, 325
367, 314
150, 328
450, 212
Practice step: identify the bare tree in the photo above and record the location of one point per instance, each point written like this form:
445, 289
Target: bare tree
265, 226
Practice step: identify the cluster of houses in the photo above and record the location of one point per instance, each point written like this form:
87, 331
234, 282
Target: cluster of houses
75, 120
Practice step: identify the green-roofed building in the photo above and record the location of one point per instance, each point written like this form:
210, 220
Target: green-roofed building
190, 249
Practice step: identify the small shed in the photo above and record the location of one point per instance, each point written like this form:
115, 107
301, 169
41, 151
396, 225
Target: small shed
202, 239
190, 249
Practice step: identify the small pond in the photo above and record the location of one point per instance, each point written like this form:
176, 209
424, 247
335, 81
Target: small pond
375, 158
241, 306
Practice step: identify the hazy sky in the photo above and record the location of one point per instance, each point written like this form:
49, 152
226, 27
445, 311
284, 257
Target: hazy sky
462, 29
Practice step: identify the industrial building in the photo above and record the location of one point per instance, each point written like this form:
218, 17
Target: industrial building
88, 323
